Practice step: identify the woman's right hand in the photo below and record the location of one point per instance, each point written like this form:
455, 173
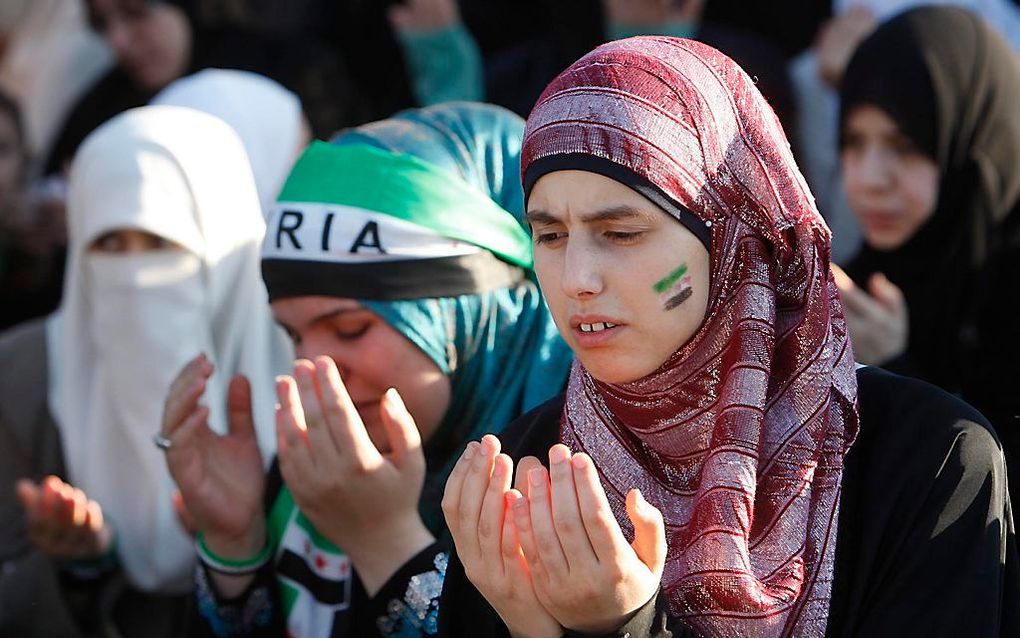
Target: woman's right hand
220, 477
477, 505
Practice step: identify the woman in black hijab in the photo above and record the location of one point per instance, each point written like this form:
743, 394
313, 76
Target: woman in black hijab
931, 163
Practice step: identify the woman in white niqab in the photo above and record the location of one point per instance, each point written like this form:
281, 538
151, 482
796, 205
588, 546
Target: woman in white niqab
266, 116
130, 321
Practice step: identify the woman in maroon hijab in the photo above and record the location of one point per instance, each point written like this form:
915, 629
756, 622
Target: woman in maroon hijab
718, 465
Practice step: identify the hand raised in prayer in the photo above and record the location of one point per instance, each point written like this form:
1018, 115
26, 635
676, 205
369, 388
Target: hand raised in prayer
220, 477
363, 501
423, 16
651, 12
877, 318
584, 571
477, 505
62, 521
838, 39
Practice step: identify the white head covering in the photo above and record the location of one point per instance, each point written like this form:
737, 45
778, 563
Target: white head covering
129, 322
265, 115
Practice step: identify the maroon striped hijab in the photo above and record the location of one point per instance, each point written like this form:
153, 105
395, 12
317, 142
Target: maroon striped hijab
739, 437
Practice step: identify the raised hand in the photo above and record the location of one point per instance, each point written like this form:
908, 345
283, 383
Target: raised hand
363, 501
477, 504
62, 521
220, 477
877, 318
583, 570
423, 16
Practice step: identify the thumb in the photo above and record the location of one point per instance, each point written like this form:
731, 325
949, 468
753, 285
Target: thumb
239, 419
27, 493
401, 430
184, 517
886, 292
649, 532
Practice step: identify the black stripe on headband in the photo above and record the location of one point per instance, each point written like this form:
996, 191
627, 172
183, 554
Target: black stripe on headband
390, 280
624, 175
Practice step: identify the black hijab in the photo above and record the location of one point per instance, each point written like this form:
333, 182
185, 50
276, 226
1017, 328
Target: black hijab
952, 85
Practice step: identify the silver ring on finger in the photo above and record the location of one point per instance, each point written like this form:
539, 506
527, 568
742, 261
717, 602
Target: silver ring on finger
161, 441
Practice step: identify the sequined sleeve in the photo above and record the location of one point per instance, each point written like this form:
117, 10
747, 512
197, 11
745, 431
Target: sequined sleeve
407, 606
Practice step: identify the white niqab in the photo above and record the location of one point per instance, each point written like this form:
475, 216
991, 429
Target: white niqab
129, 322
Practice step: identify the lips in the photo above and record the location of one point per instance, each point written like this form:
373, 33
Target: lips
591, 331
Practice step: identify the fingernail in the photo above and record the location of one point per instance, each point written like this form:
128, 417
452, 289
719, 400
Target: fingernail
558, 454
469, 451
535, 476
578, 461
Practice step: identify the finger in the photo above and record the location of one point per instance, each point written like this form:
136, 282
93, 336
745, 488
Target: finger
604, 532
649, 532
525, 533
94, 517
308, 399
341, 417
79, 508
452, 491
524, 466
490, 520
27, 493
473, 492
189, 436
570, 529
184, 517
239, 417
510, 547
292, 436
401, 430
548, 543
886, 292
185, 393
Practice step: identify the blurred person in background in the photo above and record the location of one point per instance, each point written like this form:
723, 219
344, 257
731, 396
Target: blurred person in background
158, 41
164, 228
398, 262
930, 143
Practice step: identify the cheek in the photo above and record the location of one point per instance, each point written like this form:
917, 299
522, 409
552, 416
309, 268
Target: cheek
921, 191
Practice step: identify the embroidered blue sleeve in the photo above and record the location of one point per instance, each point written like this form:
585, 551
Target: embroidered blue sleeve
251, 613
418, 613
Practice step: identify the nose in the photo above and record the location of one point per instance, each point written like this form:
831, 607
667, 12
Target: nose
582, 276
874, 170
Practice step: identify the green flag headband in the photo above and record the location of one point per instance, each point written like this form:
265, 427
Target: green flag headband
405, 187
360, 222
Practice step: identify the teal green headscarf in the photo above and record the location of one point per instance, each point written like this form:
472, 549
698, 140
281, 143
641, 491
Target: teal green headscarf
499, 345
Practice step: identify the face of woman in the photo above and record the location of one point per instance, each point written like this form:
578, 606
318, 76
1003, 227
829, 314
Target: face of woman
627, 284
372, 357
152, 40
892, 187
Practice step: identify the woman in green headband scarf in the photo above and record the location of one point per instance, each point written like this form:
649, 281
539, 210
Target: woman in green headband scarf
396, 258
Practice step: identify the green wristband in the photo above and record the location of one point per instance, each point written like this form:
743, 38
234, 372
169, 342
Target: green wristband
231, 566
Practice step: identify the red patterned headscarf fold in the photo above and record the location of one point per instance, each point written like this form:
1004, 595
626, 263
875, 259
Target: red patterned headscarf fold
739, 438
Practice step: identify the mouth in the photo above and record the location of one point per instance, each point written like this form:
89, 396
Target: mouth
592, 331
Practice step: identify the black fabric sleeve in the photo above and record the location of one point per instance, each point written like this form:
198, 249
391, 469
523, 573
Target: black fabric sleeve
651, 621
924, 526
408, 603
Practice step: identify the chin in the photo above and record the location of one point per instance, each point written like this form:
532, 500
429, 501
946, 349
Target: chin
610, 369
885, 240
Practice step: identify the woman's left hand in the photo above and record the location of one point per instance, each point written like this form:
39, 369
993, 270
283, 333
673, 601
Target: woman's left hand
62, 521
363, 501
584, 571
877, 318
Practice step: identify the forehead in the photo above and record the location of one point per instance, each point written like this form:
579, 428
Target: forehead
586, 197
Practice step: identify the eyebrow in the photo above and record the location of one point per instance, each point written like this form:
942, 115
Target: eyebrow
326, 316
610, 214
